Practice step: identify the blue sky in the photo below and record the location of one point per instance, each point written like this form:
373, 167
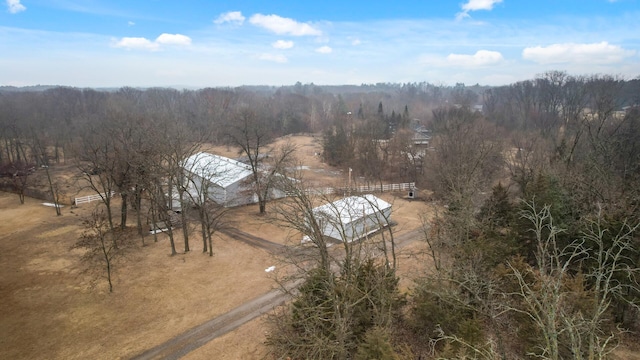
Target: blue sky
100, 43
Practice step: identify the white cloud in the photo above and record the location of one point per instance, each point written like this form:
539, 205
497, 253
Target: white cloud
233, 59
594, 53
234, 17
324, 50
136, 43
131, 23
282, 44
475, 5
480, 58
283, 26
278, 58
140, 43
173, 39
356, 42
15, 6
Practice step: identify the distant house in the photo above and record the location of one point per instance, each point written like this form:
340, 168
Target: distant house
421, 135
220, 179
353, 217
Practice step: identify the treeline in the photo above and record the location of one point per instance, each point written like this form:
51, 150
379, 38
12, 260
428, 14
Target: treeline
41, 126
58, 115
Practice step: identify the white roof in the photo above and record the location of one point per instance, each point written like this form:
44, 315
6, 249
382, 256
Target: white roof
353, 207
217, 169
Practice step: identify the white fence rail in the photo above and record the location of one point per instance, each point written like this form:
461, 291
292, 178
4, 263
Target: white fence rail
363, 189
321, 191
386, 187
89, 198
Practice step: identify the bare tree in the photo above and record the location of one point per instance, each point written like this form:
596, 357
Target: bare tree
158, 190
177, 145
55, 189
547, 299
19, 175
199, 178
527, 158
405, 159
252, 135
466, 156
346, 290
161, 210
95, 158
212, 219
101, 244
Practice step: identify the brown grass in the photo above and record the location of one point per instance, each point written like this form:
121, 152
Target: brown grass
51, 309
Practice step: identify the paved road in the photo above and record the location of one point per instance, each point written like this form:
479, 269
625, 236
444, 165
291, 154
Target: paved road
198, 336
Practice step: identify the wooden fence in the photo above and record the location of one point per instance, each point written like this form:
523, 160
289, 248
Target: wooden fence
89, 198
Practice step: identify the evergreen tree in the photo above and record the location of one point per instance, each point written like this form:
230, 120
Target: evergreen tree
360, 112
336, 147
376, 346
497, 211
404, 120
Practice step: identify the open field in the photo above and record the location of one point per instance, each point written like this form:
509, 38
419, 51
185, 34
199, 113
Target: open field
52, 309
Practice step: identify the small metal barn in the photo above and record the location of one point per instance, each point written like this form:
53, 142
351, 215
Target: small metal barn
353, 217
223, 180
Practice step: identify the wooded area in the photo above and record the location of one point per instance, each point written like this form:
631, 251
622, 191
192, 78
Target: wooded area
533, 251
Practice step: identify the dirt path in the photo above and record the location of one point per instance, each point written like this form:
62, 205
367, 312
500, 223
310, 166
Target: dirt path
253, 240
198, 336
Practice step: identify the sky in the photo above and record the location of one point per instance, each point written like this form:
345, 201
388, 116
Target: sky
195, 44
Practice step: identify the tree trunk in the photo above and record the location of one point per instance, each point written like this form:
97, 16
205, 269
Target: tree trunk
185, 229
109, 213
56, 153
138, 205
105, 252
8, 150
154, 221
173, 244
123, 210
210, 237
106, 256
54, 194
203, 226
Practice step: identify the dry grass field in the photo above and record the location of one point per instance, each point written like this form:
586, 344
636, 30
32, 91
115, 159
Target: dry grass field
51, 309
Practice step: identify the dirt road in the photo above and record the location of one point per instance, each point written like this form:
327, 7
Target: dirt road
252, 240
202, 334
198, 336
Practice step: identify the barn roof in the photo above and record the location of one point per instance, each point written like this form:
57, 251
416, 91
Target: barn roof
217, 169
352, 207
